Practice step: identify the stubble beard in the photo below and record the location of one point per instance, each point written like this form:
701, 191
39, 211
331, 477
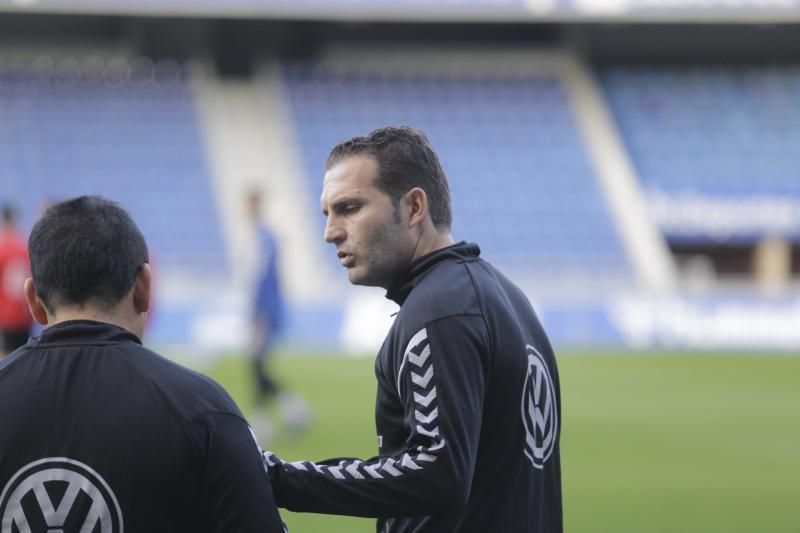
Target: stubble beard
382, 258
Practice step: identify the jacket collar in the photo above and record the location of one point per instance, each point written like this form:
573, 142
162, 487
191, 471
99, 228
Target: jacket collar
83, 331
405, 283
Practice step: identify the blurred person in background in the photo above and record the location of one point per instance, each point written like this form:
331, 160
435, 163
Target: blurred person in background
468, 403
130, 440
267, 319
15, 319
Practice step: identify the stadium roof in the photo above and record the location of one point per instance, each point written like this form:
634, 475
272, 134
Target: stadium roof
763, 11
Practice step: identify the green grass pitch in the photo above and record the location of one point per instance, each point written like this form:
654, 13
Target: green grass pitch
650, 443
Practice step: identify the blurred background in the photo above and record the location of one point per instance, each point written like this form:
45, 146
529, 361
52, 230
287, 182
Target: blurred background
634, 165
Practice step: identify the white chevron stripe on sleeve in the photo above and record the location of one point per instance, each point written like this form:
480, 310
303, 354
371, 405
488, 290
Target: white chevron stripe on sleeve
422, 381
426, 419
336, 471
420, 359
425, 401
433, 433
408, 463
372, 470
353, 471
270, 458
359, 470
426, 425
439, 446
418, 337
388, 466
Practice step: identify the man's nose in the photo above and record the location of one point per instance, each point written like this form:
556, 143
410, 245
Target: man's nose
334, 233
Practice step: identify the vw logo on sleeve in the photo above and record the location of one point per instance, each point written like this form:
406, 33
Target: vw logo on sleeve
58, 494
539, 410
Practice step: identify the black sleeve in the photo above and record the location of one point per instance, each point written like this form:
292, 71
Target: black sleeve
237, 493
440, 379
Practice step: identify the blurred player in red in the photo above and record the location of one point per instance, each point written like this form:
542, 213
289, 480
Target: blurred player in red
15, 319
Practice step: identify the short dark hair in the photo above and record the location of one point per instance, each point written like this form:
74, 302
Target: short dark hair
85, 249
405, 160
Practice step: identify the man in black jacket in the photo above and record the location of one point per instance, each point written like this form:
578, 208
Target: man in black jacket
468, 409
98, 433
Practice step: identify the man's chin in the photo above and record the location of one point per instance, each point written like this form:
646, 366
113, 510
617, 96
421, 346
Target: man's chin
353, 276
357, 277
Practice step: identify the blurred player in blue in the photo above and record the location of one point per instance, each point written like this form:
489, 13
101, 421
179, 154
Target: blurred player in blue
268, 306
267, 320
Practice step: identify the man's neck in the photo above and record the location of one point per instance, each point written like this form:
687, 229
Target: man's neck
114, 317
436, 241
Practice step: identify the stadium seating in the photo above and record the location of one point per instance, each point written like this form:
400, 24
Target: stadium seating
123, 129
521, 182
718, 131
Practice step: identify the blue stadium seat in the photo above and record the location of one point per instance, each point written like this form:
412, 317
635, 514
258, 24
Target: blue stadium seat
719, 131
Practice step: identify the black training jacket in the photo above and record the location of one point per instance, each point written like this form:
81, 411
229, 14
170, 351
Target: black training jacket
468, 413
99, 434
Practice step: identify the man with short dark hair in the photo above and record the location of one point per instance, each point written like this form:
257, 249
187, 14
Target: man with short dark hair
15, 320
468, 406
98, 432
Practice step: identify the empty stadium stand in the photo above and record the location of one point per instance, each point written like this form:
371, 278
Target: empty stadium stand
124, 129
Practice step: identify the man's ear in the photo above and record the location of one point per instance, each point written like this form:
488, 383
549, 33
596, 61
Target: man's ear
142, 289
35, 304
417, 204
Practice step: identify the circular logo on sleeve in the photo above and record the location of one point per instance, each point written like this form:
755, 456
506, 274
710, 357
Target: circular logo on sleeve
61, 495
539, 410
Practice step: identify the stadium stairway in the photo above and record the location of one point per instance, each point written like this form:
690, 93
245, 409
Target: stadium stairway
249, 142
250, 145
647, 250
